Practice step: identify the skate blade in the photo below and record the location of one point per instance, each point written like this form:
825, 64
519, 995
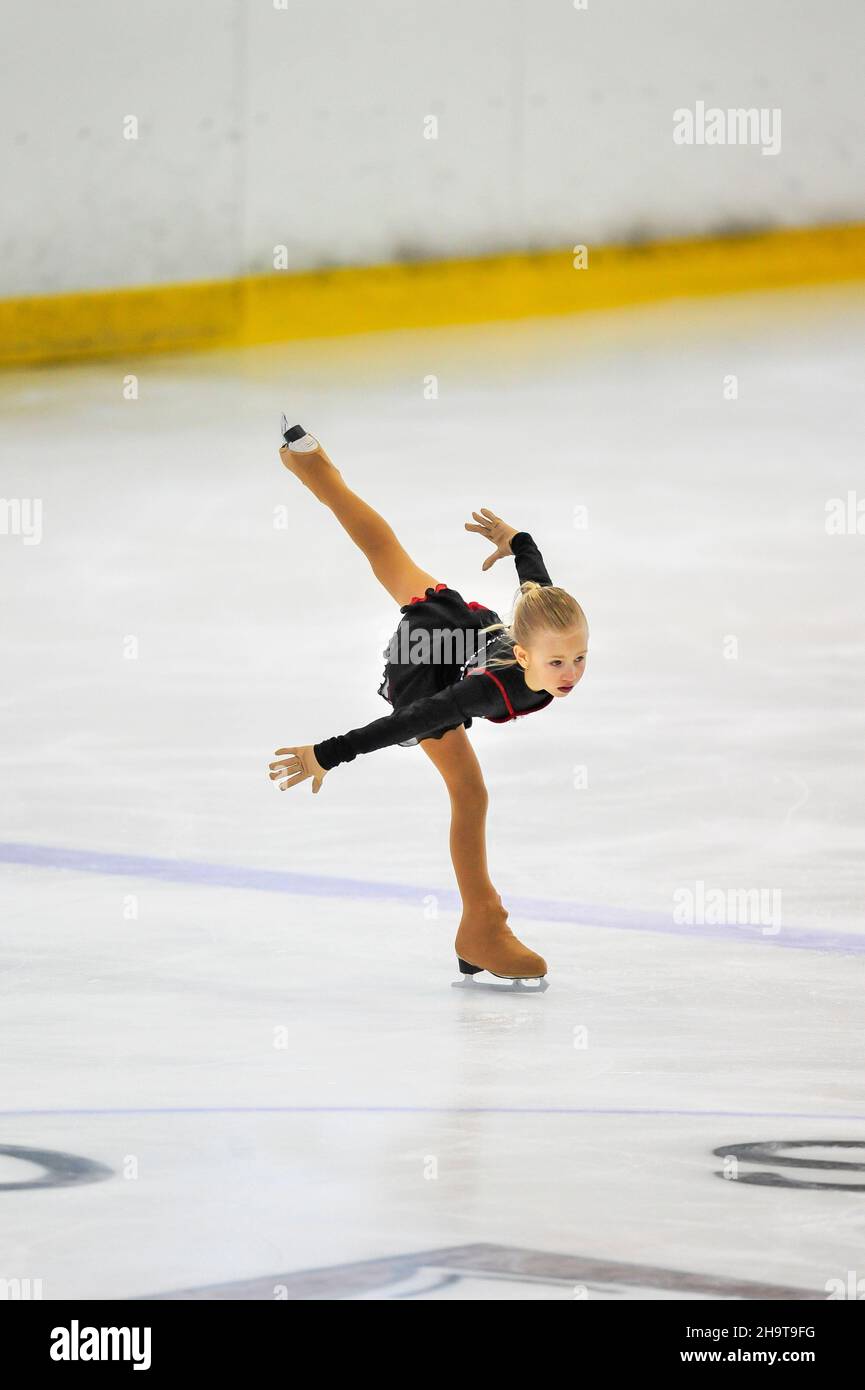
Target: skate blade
502, 985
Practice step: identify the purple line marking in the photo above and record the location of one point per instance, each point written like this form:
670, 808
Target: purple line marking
432, 1110
199, 873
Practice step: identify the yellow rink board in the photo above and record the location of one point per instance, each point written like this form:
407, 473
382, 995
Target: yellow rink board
313, 304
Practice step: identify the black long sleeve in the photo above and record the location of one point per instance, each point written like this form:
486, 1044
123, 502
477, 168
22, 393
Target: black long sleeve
448, 709
528, 559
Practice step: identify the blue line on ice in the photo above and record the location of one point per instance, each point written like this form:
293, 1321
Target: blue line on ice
201, 874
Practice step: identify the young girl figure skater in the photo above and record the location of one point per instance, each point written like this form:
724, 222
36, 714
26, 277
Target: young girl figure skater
436, 693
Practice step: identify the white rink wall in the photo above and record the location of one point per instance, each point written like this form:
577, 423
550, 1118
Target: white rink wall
304, 127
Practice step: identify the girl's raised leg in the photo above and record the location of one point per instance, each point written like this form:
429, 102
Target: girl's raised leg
391, 565
484, 940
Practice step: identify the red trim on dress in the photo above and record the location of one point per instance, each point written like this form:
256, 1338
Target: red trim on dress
478, 607
511, 714
423, 597
510, 708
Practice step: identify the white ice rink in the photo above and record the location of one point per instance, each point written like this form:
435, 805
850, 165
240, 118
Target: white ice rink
238, 1001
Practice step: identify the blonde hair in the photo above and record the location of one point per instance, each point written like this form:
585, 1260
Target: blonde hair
539, 608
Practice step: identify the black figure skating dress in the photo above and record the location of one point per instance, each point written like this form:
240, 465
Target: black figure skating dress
438, 673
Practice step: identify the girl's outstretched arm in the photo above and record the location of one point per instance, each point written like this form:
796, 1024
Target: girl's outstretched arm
449, 709
509, 541
433, 714
529, 560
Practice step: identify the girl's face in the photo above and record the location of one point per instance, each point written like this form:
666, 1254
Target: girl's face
556, 660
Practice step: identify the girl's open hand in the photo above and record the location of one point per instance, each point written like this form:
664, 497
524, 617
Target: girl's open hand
495, 530
297, 765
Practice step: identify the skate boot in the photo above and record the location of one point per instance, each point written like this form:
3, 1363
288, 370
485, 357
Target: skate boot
486, 942
303, 455
299, 440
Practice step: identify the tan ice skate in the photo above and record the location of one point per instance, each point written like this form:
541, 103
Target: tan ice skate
303, 455
486, 942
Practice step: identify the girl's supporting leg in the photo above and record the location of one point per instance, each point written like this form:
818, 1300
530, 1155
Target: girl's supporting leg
458, 764
391, 565
484, 939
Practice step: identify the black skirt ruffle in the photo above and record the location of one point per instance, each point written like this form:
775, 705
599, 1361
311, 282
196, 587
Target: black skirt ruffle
441, 610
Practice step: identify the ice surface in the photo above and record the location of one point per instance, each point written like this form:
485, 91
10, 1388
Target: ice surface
273, 1064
